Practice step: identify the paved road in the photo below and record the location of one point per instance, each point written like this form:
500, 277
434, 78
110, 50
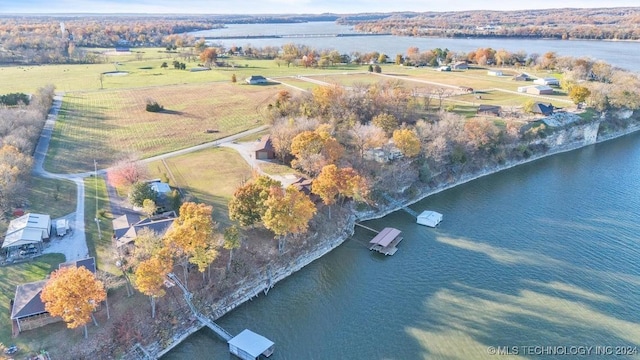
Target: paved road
74, 245
246, 151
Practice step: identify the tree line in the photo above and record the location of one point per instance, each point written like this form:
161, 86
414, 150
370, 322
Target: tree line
595, 24
20, 127
43, 40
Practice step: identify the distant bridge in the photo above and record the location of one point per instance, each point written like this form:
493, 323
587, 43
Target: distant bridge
286, 36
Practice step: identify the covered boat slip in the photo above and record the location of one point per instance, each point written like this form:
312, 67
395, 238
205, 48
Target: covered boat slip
386, 241
429, 218
249, 346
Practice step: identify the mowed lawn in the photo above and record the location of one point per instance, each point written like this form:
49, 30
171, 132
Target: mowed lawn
106, 125
13, 275
143, 69
209, 176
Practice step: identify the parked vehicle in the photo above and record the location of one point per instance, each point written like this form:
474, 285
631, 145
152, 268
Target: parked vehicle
11, 350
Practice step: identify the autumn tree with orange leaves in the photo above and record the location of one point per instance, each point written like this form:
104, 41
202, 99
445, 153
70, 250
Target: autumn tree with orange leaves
191, 238
288, 212
209, 56
247, 204
73, 293
333, 182
407, 142
315, 149
151, 274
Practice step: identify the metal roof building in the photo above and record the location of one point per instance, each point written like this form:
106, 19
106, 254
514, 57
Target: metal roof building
27, 229
249, 346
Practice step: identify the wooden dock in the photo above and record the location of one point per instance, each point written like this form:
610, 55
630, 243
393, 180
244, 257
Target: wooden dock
368, 228
386, 241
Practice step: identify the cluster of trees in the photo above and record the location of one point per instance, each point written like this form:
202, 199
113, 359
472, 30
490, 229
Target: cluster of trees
129, 175
600, 24
191, 240
59, 40
20, 128
14, 99
329, 133
263, 201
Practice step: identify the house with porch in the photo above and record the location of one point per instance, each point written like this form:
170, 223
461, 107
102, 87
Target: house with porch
127, 227
27, 310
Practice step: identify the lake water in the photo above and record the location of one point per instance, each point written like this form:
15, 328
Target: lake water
622, 54
543, 254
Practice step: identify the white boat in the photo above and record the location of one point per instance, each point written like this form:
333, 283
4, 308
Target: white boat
429, 218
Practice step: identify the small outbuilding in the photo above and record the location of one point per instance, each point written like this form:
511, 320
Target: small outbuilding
250, 346
460, 65
539, 90
522, 77
264, 149
256, 79
161, 188
429, 218
549, 81
545, 109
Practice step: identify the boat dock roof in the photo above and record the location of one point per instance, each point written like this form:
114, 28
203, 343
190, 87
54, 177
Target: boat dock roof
386, 241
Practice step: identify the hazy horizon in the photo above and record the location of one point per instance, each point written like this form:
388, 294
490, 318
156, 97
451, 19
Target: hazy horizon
258, 7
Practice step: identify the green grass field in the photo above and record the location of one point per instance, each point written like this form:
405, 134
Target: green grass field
52, 196
99, 242
13, 275
298, 83
106, 125
209, 176
144, 71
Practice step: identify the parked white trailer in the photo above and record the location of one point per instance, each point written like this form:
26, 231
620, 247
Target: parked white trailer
62, 226
429, 218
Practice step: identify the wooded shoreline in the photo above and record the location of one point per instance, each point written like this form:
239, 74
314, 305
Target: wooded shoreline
328, 242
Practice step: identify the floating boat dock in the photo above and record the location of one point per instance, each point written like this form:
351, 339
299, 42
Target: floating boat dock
386, 241
429, 218
247, 345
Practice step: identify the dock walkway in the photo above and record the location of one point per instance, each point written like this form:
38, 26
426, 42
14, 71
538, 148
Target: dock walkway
407, 209
222, 333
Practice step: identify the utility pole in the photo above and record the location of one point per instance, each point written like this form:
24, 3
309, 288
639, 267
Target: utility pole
95, 179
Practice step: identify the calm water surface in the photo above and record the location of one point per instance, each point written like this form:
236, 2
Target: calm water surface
542, 254
622, 54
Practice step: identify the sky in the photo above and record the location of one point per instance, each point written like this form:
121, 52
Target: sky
286, 6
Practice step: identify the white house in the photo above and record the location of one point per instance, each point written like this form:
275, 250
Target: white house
494, 72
